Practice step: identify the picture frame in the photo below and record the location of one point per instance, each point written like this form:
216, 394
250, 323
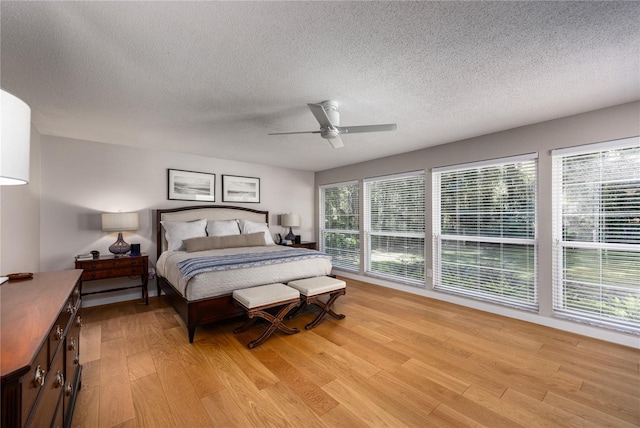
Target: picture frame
240, 189
191, 186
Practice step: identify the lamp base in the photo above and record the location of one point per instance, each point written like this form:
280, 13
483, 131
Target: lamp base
119, 248
290, 236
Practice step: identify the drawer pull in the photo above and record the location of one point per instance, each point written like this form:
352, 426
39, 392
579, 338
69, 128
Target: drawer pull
69, 308
59, 382
68, 390
79, 321
59, 332
38, 378
76, 292
76, 359
72, 344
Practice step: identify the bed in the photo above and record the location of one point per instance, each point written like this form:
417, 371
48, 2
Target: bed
199, 283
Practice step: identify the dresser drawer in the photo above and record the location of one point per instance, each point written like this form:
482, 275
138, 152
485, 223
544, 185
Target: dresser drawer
42, 414
34, 381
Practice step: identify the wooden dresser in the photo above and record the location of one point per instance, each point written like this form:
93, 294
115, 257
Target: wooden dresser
40, 353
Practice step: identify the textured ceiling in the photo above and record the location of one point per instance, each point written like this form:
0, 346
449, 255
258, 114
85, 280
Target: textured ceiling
214, 78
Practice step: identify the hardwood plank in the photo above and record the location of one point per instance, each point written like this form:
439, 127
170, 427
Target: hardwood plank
369, 412
340, 417
223, 410
140, 365
151, 406
184, 403
289, 402
116, 401
87, 409
257, 409
90, 338
248, 362
310, 393
610, 400
587, 413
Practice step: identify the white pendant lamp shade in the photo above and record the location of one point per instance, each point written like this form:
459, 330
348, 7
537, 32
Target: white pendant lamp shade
15, 140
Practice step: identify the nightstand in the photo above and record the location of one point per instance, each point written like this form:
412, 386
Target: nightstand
115, 267
306, 244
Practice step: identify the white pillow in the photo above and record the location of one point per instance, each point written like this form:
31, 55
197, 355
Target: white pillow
247, 226
222, 228
177, 231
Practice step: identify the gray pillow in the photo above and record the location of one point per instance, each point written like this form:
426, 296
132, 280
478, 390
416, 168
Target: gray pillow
228, 241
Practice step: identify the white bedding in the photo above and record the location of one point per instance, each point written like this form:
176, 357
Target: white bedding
218, 283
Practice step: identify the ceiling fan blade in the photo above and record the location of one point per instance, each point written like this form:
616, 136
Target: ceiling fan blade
336, 142
367, 128
320, 115
298, 132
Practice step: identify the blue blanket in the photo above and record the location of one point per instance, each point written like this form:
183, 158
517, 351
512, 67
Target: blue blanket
193, 266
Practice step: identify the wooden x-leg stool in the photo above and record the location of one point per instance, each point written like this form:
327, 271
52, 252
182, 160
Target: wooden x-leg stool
257, 300
311, 289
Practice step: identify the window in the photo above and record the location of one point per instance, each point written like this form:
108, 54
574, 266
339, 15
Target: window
394, 227
484, 230
340, 224
596, 228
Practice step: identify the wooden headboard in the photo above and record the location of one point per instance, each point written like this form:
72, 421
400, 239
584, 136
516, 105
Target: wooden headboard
210, 212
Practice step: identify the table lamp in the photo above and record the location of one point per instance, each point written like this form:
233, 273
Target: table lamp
290, 220
118, 222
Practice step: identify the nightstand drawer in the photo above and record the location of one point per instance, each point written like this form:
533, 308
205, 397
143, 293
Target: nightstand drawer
109, 264
88, 275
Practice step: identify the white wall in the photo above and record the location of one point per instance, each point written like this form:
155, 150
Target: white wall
601, 125
82, 179
20, 219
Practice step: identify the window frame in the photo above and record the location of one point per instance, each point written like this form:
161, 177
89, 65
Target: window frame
322, 241
530, 301
563, 306
369, 233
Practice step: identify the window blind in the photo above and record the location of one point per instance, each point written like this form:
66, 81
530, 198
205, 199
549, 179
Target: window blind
484, 231
394, 227
340, 224
596, 228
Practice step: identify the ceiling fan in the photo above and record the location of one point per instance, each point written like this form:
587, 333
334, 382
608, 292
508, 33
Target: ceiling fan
327, 115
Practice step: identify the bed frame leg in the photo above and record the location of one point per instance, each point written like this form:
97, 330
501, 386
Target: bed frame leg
192, 333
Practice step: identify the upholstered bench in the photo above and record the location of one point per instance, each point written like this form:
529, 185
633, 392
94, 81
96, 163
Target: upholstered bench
312, 289
257, 300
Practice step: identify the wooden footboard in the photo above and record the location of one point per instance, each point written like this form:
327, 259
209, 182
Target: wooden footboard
199, 312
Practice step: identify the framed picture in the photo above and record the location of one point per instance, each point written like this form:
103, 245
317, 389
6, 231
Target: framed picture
240, 189
192, 186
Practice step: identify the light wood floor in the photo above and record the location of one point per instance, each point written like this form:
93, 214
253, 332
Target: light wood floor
396, 360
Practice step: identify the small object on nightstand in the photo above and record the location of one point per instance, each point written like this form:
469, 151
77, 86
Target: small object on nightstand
84, 256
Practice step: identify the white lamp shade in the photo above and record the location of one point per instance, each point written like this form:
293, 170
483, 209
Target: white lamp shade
117, 222
15, 140
290, 220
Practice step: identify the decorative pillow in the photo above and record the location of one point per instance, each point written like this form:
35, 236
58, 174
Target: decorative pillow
247, 226
222, 227
177, 231
227, 241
